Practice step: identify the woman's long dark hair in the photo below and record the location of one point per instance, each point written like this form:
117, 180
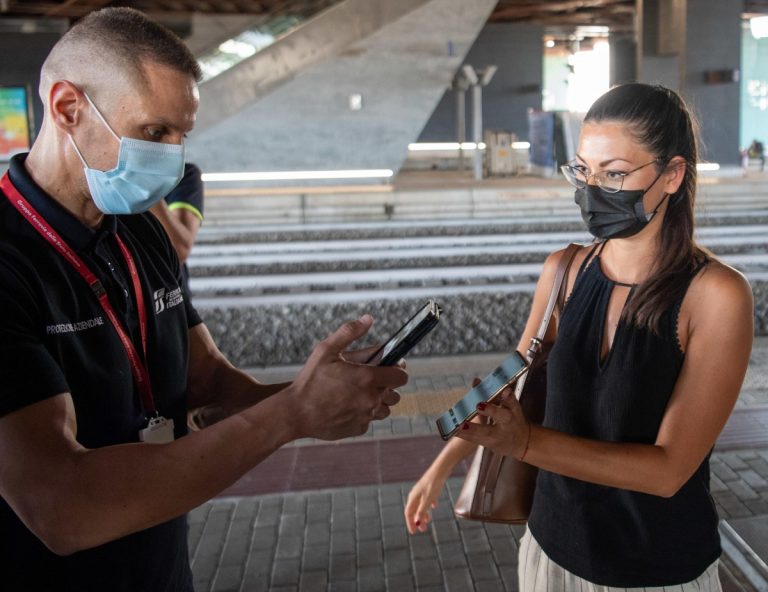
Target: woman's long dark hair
659, 120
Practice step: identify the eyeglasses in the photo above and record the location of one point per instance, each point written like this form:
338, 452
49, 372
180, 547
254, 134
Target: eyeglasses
611, 181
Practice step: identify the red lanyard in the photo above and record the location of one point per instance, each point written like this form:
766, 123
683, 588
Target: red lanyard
138, 369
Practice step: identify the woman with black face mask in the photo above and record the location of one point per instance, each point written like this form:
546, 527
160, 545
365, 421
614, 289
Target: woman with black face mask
649, 355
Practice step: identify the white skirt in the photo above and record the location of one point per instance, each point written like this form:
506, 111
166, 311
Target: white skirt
537, 573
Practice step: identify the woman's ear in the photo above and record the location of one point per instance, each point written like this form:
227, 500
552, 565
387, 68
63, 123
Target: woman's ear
674, 174
65, 104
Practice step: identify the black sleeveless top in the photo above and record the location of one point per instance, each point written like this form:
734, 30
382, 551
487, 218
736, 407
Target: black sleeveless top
610, 536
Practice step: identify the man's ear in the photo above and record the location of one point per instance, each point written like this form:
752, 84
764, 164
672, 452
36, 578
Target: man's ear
66, 104
674, 174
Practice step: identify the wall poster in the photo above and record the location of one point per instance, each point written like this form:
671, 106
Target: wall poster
15, 121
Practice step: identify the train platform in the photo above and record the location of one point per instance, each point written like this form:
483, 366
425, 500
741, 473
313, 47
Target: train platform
329, 516
424, 195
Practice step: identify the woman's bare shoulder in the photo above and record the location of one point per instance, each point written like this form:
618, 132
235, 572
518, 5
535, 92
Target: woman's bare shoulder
719, 285
553, 259
719, 276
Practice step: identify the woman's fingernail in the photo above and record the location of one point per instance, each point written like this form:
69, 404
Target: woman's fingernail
481, 406
465, 426
418, 523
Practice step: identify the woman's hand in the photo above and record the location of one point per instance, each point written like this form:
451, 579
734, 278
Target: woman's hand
423, 496
421, 499
509, 432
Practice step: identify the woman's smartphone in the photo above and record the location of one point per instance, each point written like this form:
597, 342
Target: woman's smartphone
486, 392
407, 336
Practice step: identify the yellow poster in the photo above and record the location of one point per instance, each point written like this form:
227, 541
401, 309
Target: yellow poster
14, 121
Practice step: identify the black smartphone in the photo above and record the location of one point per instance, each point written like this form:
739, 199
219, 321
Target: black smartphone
487, 391
407, 336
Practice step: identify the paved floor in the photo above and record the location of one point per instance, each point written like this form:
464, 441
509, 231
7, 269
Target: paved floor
328, 516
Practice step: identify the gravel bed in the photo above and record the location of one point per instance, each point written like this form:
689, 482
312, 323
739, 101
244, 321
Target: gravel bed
340, 264
486, 322
490, 226
276, 335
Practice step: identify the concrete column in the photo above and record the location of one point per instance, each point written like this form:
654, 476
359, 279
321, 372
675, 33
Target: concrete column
662, 42
694, 47
461, 121
623, 59
711, 74
477, 129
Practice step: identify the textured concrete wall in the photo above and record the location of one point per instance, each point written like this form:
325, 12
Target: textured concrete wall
401, 72
326, 35
518, 51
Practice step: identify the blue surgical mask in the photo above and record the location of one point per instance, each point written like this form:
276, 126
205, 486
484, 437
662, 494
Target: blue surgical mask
145, 173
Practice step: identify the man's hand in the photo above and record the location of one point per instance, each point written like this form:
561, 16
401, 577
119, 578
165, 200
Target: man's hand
336, 395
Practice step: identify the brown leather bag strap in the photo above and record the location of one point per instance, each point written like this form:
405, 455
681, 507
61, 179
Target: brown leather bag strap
556, 297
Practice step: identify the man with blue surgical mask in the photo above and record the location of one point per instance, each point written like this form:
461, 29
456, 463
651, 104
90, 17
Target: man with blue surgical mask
144, 174
101, 352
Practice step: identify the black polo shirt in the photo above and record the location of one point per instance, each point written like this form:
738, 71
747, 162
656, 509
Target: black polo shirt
55, 338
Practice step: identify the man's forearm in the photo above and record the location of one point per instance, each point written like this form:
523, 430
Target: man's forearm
227, 391
110, 492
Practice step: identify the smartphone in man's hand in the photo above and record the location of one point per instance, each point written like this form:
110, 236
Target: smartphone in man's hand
406, 338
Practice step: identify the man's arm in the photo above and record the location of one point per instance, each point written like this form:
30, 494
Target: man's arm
181, 212
216, 388
75, 498
181, 225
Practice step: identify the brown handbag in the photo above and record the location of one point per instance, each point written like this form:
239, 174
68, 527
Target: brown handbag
500, 488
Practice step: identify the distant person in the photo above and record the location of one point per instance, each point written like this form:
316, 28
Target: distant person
756, 150
101, 351
181, 214
649, 355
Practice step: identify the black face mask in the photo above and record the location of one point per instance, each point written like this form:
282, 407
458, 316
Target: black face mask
614, 215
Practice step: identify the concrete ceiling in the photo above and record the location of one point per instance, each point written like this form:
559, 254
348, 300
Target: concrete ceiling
170, 9
547, 11
617, 14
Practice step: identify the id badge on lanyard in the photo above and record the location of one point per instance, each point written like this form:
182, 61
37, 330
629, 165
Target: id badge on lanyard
159, 429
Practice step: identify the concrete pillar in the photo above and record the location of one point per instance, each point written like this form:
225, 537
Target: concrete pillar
461, 120
694, 47
662, 42
477, 129
711, 74
623, 58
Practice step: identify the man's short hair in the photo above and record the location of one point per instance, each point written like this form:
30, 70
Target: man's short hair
122, 37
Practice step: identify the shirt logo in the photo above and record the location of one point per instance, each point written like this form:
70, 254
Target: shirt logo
159, 304
167, 299
74, 327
